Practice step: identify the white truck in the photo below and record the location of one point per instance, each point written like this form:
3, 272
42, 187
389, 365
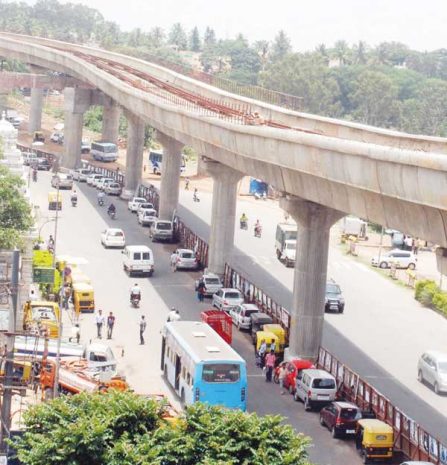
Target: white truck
353, 226
285, 243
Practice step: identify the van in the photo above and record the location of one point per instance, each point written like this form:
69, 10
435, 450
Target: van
138, 259
315, 387
162, 230
104, 151
29, 158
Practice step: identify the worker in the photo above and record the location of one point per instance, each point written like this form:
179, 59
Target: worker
173, 315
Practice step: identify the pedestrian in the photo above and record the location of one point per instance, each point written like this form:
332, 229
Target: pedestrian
173, 260
186, 184
273, 345
66, 296
99, 323
261, 353
75, 333
201, 290
270, 360
32, 296
173, 315
282, 372
415, 246
110, 325
142, 329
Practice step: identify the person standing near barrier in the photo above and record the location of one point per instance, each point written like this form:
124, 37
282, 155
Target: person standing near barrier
270, 360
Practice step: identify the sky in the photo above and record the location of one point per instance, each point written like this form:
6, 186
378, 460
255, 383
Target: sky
419, 24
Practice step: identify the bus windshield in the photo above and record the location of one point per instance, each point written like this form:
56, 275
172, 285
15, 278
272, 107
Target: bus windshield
221, 372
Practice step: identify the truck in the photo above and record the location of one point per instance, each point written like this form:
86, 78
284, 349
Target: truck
75, 376
353, 226
220, 321
285, 243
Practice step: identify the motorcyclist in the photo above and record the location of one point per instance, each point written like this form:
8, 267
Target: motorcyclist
74, 196
243, 220
111, 210
135, 292
101, 196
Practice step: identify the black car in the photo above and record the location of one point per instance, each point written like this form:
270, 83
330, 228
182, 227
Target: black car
334, 298
43, 164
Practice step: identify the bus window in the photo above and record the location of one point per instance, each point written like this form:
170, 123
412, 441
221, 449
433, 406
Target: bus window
220, 373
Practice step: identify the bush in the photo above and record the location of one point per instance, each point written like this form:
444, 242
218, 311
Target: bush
429, 294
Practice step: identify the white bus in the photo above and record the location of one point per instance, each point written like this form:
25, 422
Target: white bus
201, 366
156, 161
104, 151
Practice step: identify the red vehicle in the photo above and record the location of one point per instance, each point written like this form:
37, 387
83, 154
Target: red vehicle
340, 418
293, 366
221, 322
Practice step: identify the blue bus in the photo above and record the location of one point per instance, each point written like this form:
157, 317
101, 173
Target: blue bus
201, 366
156, 159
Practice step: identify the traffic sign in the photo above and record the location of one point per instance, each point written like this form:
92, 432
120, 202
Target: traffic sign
43, 275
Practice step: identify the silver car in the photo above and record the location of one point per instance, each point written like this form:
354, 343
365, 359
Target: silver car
147, 216
112, 188
432, 368
184, 259
62, 181
226, 298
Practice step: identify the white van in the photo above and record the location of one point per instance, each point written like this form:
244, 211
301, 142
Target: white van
138, 259
104, 151
315, 387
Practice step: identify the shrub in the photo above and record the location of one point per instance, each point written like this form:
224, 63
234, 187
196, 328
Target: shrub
430, 295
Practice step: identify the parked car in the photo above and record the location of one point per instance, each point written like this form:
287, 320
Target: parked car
146, 217
402, 259
81, 174
29, 158
113, 237
93, 178
293, 367
133, 204
101, 183
341, 418
62, 181
162, 230
96, 180
145, 206
43, 164
225, 298
85, 147
334, 299
241, 315
184, 259
112, 188
315, 387
57, 137
212, 284
432, 368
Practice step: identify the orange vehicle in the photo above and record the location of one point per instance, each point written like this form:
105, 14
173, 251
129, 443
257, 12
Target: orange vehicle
221, 322
75, 377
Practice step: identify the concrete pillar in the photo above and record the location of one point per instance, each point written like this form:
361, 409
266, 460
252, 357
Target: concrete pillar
76, 102
309, 287
35, 113
170, 176
223, 214
134, 155
110, 121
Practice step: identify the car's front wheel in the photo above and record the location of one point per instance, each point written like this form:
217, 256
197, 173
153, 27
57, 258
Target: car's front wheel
383, 265
411, 266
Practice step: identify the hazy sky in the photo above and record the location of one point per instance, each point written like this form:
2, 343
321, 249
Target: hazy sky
421, 24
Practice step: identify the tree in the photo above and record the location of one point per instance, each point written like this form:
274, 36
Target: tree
157, 36
15, 212
341, 51
360, 50
194, 40
281, 46
177, 36
121, 428
210, 37
262, 49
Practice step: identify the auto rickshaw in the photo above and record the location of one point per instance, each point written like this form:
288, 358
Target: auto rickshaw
269, 338
41, 316
54, 201
258, 320
38, 136
374, 440
279, 331
83, 298
21, 374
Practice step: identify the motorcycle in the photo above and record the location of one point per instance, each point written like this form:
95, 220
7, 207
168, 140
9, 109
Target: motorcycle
258, 231
135, 300
112, 214
244, 225
74, 201
100, 201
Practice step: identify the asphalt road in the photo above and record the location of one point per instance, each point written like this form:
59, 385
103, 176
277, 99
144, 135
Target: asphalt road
79, 236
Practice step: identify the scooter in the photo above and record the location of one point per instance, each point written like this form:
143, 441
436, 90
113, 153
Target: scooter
244, 225
258, 231
100, 201
135, 301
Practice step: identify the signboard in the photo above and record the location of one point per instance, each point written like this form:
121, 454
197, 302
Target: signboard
42, 258
43, 275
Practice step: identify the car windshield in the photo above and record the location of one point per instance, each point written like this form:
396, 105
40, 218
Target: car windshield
116, 233
221, 373
212, 281
442, 367
323, 383
43, 313
164, 226
232, 295
332, 289
114, 185
291, 246
149, 213
187, 255
349, 413
250, 312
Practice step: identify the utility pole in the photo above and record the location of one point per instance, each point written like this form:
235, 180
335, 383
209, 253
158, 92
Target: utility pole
9, 365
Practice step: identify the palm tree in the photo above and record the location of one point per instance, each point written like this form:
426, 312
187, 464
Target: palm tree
341, 51
360, 50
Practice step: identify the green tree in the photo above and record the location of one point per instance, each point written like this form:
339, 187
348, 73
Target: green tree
125, 429
209, 39
360, 53
262, 48
342, 52
15, 212
157, 36
195, 43
281, 46
177, 36
93, 118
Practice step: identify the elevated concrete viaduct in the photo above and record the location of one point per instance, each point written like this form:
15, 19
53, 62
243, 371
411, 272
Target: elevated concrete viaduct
325, 167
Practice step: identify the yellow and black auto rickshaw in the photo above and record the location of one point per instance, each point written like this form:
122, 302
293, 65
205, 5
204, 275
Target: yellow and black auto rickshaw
374, 440
54, 201
83, 298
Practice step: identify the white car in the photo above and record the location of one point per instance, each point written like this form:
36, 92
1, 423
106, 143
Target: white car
81, 174
145, 206
241, 315
212, 283
100, 184
62, 181
113, 237
133, 204
184, 259
112, 188
147, 216
57, 137
402, 259
226, 298
432, 369
93, 178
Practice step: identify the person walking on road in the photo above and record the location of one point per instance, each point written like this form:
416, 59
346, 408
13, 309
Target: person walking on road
110, 325
142, 329
201, 290
270, 360
261, 353
99, 323
186, 184
281, 377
